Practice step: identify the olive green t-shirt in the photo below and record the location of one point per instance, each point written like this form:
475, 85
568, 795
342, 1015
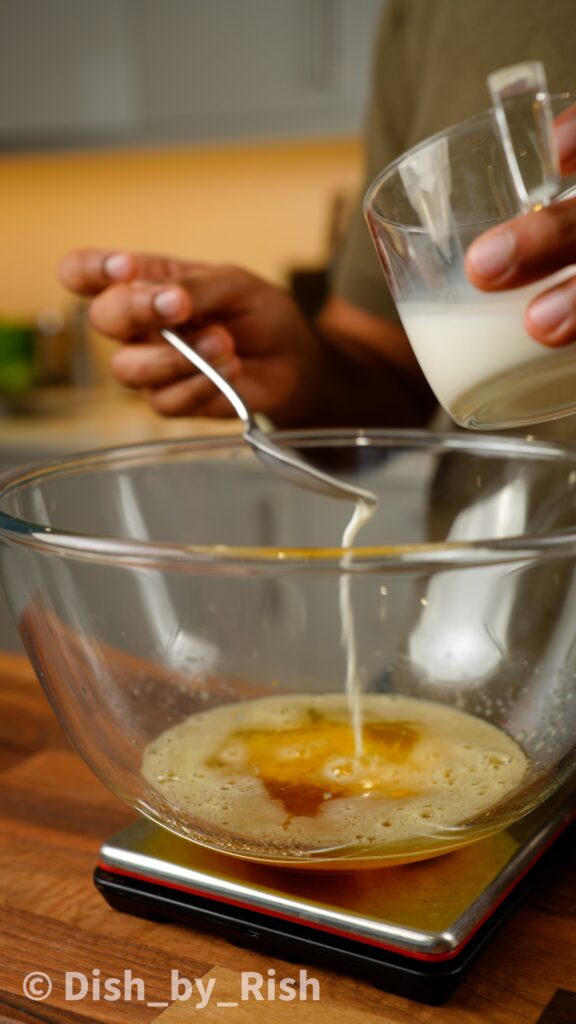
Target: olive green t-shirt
431, 61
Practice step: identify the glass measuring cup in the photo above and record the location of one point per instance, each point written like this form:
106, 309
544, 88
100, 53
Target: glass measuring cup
423, 212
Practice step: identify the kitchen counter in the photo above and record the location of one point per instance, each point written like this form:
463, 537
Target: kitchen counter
54, 814
88, 418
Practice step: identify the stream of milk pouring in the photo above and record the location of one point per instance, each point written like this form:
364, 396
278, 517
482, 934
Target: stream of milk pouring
360, 516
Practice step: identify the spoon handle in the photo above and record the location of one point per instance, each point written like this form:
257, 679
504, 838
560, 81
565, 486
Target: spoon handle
283, 460
230, 393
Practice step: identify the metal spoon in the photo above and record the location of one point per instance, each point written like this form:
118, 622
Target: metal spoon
276, 457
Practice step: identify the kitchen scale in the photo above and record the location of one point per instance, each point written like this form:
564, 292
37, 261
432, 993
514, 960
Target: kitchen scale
412, 930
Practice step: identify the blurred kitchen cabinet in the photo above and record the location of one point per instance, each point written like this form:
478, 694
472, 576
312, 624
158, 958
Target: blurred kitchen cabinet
67, 71
222, 69
182, 70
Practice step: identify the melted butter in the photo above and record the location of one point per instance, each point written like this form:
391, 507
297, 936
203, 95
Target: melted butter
302, 767
279, 776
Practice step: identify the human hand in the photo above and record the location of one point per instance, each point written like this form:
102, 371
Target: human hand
533, 246
252, 330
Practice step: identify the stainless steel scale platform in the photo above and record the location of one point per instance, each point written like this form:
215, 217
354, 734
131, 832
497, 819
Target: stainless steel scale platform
413, 930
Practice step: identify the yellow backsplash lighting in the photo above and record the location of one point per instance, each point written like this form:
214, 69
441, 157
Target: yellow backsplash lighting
266, 206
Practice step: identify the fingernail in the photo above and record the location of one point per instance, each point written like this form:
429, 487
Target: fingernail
211, 346
491, 256
167, 303
118, 266
550, 311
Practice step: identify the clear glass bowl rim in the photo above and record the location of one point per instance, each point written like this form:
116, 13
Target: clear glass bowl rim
223, 559
390, 169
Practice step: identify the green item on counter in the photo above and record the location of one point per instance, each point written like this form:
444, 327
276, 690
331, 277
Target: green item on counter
17, 358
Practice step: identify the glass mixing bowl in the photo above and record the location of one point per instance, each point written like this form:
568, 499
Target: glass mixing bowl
235, 675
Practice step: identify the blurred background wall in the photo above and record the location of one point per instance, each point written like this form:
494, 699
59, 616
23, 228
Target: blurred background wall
226, 129
216, 129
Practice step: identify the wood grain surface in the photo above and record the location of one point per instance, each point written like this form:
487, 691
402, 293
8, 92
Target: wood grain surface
53, 816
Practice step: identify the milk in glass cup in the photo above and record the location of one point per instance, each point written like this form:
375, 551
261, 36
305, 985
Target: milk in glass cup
423, 212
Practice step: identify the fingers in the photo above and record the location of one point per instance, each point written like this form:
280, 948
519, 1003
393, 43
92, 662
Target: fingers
531, 247
89, 271
127, 311
196, 395
525, 249
85, 273
551, 316
212, 304
155, 364
173, 386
